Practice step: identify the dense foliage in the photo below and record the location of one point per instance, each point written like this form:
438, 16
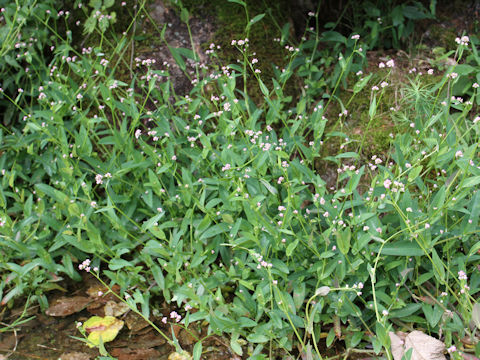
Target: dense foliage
217, 203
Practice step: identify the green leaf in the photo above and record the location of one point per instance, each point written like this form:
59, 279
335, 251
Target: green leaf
407, 310
414, 13
413, 174
257, 338
197, 351
214, 230
263, 88
235, 345
52, 192
152, 221
178, 58
239, 2
464, 69
285, 32
89, 25
184, 15
359, 85
269, 187
246, 322
158, 276
438, 269
347, 155
471, 182
255, 20
343, 240
402, 248
438, 199
333, 36
291, 247
373, 107
116, 264
330, 337
96, 4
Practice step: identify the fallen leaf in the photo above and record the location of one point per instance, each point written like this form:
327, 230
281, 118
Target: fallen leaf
107, 328
75, 356
146, 341
135, 354
424, 347
135, 322
113, 308
65, 306
96, 309
9, 340
177, 356
189, 337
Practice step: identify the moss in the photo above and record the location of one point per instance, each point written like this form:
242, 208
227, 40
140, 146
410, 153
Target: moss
443, 37
374, 134
231, 21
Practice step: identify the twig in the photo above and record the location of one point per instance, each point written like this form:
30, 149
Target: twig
47, 347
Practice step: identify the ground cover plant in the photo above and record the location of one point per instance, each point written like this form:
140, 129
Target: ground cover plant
216, 203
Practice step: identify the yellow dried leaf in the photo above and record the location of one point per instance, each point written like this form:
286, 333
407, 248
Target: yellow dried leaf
107, 328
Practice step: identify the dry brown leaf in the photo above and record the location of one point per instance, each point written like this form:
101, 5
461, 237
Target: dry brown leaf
187, 337
424, 346
65, 306
75, 356
135, 322
113, 308
135, 354
145, 341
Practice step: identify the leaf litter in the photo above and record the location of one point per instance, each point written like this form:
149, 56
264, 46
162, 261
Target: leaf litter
65, 306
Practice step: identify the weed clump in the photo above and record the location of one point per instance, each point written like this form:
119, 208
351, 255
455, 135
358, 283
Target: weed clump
285, 222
